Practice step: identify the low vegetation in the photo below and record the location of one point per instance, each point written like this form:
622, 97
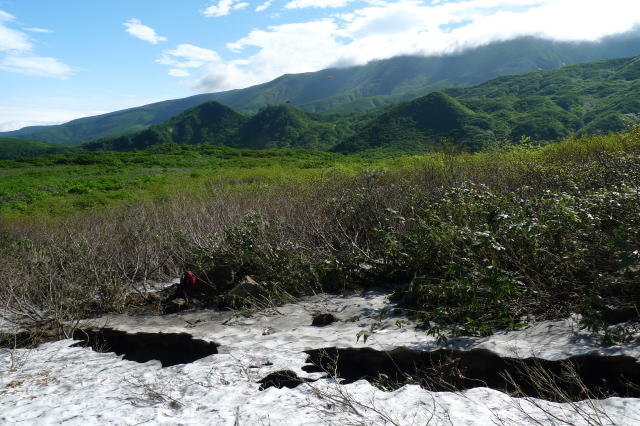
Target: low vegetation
11, 148
58, 185
470, 243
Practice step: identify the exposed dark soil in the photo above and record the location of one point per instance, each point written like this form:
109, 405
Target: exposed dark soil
576, 378
168, 348
281, 379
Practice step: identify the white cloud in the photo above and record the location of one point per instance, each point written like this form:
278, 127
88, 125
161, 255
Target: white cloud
11, 39
188, 56
289, 48
177, 72
264, 6
384, 29
19, 56
38, 30
137, 29
303, 4
14, 118
36, 66
223, 8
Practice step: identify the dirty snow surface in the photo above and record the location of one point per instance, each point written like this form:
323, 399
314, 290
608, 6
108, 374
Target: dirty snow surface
58, 383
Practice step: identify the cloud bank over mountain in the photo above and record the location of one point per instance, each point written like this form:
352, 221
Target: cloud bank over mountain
380, 29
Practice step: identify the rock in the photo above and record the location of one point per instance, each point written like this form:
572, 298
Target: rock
281, 379
221, 276
246, 288
323, 319
620, 314
178, 302
176, 305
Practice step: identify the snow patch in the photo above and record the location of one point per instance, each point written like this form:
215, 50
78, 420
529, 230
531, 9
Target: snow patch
59, 383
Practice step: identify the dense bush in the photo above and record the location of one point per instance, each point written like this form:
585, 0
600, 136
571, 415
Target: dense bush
469, 243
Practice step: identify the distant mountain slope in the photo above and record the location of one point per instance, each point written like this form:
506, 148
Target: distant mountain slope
414, 76
210, 122
545, 105
287, 127
280, 126
411, 77
345, 90
548, 105
111, 124
423, 122
11, 149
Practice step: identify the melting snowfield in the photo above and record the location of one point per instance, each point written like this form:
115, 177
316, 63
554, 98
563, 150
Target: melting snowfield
209, 367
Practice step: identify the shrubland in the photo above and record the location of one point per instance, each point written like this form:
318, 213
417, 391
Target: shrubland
468, 243
11, 148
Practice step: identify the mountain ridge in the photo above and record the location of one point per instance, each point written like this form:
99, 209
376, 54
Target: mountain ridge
546, 106
352, 89
275, 126
425, 122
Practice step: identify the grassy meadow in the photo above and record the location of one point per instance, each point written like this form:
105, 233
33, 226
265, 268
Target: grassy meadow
57, 186
470, 243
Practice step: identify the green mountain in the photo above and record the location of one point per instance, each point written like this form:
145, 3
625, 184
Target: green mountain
283, 126
591, 98
353, 89
422, 123
109, 125
548, 105
11, 149
545, 105
280, 126
210, 123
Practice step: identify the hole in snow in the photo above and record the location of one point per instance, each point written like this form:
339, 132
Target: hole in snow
281, 379
574, 379
168, 348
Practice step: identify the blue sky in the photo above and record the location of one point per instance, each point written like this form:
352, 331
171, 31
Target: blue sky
71, 58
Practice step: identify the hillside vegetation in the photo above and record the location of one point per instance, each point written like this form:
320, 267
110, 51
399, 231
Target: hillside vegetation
11, 148
596, 97
212, 123
542, 106
545, 106
423, 124
353, 89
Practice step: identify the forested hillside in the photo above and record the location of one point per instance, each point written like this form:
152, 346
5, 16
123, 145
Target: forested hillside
550, 105
546, 106
212, 123
353, 89
11, 148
